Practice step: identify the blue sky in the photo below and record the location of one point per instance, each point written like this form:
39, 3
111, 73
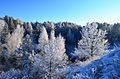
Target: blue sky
76, 11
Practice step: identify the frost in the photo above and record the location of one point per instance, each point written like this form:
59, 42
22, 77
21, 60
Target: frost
43, 38
93, 42
15, 39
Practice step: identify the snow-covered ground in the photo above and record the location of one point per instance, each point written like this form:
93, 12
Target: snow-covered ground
108, 67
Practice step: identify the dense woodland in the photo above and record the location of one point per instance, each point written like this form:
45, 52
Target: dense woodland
57, 50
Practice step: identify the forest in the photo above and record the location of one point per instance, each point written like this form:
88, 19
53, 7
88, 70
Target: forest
63, 50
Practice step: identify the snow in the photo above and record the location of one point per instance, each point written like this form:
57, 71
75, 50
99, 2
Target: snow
108, 67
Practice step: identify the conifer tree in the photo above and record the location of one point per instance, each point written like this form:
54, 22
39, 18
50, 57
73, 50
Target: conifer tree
93, 42
43, 38
15, 39
54, 56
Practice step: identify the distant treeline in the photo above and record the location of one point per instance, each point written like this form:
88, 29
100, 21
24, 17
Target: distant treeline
70, 31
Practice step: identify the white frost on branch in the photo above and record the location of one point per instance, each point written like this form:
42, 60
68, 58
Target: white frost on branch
43, 38
53, 57
15, 39
93, 42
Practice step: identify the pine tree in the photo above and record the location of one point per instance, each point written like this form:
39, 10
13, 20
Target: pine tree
53, 58
26, 64
52, 35
4, 34
43, 38
15, 39
3, 31
11, 24
2, 24
54, 53
29, 28
93, 42
26, 50
27, 44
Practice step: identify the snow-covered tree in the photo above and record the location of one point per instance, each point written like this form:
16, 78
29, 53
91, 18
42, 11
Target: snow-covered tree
27, 44
15, 39
11, 24
39, 66
3, 31
52, 25
43, 38
93, 42
54, 53
11, 74
29, 28
52, 35
2, 24
53, 57
26, 50
26, 64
